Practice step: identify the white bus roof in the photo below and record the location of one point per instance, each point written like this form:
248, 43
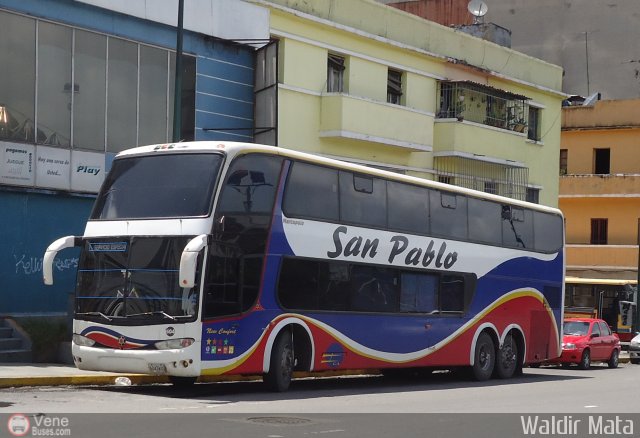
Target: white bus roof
234, 148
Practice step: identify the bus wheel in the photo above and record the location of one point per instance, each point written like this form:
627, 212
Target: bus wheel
484, 358
281, 369
585, 361
507, 360
614, 359
182, 382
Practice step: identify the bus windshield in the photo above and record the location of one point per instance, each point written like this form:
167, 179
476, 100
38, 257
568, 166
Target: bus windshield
133, 278
168, 185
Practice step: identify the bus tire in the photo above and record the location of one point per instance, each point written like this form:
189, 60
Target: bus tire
281, 365
181, 381
585, 360
484, 358
507, 358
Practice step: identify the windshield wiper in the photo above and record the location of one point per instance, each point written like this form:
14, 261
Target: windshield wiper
108, 318
155, 313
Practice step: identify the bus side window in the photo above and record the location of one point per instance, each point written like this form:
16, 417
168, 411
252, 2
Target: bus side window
221, 289
418, 293
373, 289
452, 293
311, 192
448, 215
363, 200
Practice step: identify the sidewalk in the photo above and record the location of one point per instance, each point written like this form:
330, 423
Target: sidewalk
29, 374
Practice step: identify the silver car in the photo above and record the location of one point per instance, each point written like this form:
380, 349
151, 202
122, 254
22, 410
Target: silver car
634, 350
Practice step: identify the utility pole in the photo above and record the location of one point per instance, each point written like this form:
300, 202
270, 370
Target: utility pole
177, 95
586, 51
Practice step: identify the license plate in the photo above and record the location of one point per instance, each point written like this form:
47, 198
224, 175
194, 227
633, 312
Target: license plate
157, 368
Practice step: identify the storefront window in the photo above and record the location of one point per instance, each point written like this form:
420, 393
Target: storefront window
18, 77
78, 89
90, 91
54, 84
123, 88
153, 96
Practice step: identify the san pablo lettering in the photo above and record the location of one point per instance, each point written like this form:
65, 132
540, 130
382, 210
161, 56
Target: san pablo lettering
358, 246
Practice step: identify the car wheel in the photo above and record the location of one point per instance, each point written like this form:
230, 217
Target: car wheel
280, 372
484, 358
585, 361
507, 360
613, 360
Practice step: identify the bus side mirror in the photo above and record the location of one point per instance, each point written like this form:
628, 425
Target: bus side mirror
52, 251
189, 260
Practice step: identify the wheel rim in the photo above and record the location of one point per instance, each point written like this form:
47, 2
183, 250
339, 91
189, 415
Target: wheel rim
586, 359
508, 356
484, 357
615, 358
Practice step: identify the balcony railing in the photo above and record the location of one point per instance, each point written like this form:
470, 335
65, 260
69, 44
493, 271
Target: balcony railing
483, 104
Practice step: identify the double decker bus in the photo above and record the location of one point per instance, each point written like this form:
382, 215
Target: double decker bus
207, 258
613, 300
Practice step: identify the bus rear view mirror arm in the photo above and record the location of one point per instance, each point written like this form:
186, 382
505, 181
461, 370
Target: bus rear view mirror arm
52, 251
189, 260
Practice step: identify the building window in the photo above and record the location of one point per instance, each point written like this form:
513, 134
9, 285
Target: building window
564, 154
599, 231
491, 187
94, 92
533, 195
266, 95
482, 104
602, 161
335, 74
394, 87
18, 73
533, 133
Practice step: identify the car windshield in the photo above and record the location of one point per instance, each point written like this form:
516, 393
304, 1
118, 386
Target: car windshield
158, 186
575, 327
133, 279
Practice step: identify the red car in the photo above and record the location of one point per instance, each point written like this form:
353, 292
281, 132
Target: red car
588, 340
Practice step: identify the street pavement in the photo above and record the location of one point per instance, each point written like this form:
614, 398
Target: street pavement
30, 374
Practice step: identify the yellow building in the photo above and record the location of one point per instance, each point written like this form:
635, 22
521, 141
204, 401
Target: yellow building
600, 188
367, 83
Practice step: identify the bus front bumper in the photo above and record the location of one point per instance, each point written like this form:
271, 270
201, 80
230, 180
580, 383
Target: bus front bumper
179, 362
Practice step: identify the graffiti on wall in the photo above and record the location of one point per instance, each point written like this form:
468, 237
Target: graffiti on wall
29, 265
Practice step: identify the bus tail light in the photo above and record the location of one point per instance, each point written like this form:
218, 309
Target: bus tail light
173, 344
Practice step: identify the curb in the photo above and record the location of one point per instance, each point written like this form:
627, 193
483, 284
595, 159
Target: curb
144, 379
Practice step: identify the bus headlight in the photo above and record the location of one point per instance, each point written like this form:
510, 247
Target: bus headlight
173, 344
83, 341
